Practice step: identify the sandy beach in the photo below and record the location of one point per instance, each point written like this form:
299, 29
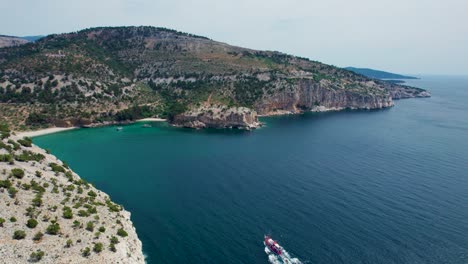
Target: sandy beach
43, 131
52, 130
151, 119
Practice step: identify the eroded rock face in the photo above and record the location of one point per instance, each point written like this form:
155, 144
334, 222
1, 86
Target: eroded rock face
44, 190
312, 96
399, 92
218, 116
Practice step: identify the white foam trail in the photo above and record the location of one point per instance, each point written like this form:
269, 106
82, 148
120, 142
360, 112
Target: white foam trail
285, 258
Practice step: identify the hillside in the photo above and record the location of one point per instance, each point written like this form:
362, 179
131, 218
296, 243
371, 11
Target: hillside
49, 214
103, 75
376, 74
8, 41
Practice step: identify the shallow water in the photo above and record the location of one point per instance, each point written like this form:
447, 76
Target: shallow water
386, 186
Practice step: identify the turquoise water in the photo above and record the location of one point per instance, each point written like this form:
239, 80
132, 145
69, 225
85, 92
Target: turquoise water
386, 186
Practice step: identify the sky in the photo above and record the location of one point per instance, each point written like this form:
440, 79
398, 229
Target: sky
403, 36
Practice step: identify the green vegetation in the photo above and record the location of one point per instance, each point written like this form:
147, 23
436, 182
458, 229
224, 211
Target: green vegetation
53, 229
18, 173
86, 252
76, 224
69, 243
19, 234
121, 232
56, 168
114, 240
102, 229
32, 223
36, 256
12, 191
2, 220
97, 247
90, 226
13, 219
27, 142
67, 213
38, 236
5, 184
29, 156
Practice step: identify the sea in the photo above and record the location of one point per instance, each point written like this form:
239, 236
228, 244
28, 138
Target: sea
386, 186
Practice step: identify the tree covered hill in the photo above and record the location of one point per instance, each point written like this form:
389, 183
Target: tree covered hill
122, 73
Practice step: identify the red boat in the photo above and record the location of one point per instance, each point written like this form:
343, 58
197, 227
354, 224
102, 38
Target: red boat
273, 246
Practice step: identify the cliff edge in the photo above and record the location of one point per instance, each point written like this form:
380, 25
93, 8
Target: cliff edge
49, 215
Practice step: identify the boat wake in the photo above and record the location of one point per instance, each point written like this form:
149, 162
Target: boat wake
284, 258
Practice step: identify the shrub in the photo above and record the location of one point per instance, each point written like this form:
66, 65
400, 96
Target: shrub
6, 158
2, 221
69, 243
38, 236
32, 223
114, 240
102, 229
38, 174
12, 191
112, 206
36, 256
56, 168
27, 142
97, 247
5, 184
53, 229
18, 173
92, 194
19, 234
83, 213
37, 201
86, 252
90, 226
76, 224
13, 219
112, 247
122, 232
67, 212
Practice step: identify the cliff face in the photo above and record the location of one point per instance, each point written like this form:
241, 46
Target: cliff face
218, 117
49, 214
307, 95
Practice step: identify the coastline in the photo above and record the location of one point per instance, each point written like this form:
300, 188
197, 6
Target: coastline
151, 119
52, 130
42, 132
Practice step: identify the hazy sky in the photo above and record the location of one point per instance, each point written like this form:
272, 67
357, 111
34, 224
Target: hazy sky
405, 36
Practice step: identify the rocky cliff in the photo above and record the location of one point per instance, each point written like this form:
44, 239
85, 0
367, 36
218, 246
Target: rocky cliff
49, 214
307, 95
218, 116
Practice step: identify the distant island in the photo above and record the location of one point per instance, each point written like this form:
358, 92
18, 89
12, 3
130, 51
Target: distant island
376, 74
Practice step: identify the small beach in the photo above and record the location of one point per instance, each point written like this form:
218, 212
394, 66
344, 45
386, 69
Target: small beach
42, 132
52, 130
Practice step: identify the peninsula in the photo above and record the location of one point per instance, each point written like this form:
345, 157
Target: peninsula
120, 74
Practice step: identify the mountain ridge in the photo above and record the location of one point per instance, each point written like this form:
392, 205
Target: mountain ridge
123, 73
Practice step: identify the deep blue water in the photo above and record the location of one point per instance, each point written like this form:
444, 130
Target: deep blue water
386, 186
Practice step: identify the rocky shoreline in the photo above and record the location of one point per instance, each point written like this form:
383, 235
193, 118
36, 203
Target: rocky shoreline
49, 214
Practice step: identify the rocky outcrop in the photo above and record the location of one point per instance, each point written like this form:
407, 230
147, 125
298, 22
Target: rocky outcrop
218, 116
404, 92
308, 95
49, 214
